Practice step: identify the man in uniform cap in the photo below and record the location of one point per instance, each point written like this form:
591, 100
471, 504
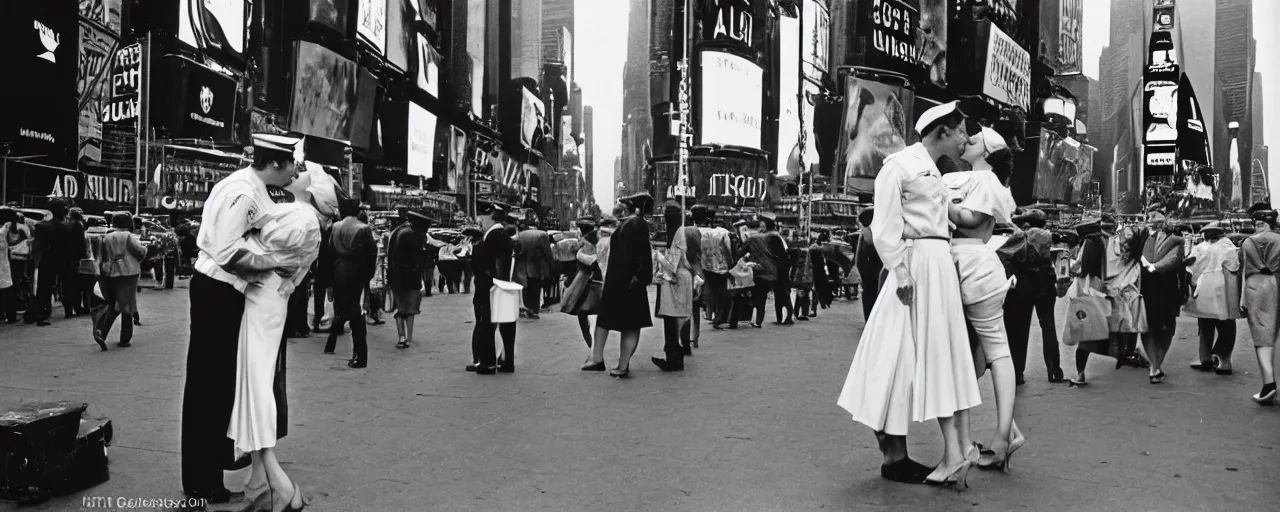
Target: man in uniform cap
491, 259
234, 207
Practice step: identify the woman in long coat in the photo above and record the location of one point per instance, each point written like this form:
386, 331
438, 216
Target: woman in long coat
1260, 296
582, 296
1211, 262
625, 298
1162, 291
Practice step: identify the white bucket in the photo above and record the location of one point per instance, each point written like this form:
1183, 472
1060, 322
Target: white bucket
504, 301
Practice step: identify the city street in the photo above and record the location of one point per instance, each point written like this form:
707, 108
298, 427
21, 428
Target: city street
751, 425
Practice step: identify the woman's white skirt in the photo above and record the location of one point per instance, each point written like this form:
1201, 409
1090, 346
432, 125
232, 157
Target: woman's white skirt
253, 417
913, 363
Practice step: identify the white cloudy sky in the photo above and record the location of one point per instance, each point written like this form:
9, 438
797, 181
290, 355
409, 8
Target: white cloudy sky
601, 49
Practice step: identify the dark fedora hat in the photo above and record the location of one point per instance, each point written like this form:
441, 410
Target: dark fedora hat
642, 201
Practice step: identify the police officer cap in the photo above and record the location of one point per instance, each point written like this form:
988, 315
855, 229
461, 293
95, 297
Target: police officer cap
272, 142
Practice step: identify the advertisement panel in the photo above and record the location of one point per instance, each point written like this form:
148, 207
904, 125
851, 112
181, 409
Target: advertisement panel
182, 181
428, 76
874, 125
124, 101
213, 26
331, 14
371, 23
815, 27
1161, 114
1162, 19
422, 138
363, 123
789, 59
532, 115
1006, 75
888, 30
732, 21
731, 91
1050, 32
1071, 38
40, 115
102, 12
323, 93
1064, 169
475, 56
401, 43
94, 191
200, 105
931, 40
716, 180
97, 47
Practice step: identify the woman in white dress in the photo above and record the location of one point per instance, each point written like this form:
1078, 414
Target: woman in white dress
291, 235
913, 361
1212, 263
980, 199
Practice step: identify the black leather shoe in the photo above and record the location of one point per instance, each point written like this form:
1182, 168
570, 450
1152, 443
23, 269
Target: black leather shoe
481, 369
667, 366
905, 471
507, 368
357, 364
593, 367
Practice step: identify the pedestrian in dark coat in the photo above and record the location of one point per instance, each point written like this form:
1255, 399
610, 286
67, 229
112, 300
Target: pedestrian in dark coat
625, 298
492, 259
535, 267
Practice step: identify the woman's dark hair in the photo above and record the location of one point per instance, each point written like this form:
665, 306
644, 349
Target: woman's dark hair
592, 236
1001, 164
124, 221
866, 216
348, 208
264, 158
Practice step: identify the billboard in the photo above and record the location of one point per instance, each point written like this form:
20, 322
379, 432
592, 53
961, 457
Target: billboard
1006, 68
323, 93
1070, 38
200, 103
888, 31
420, 159
815, 28
97, 47
41, 116
401, 43
874, 126
428, 75
715, 180
213, 26
1064, 169
332, 14
371, 23
931, 40
731, 92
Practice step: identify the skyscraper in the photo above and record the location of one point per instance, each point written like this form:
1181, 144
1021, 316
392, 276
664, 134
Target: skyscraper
1234, 59
637, 125
588, 151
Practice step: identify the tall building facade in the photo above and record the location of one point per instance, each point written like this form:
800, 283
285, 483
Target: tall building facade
588, 149
636, 122
1234, 57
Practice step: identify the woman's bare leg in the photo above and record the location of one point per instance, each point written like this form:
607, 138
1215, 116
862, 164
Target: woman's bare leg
630, 341
597, 348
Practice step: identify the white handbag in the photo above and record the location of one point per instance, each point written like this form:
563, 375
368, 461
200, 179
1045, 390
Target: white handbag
504, 299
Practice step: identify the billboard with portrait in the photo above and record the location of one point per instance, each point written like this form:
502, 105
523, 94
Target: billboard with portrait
402, 45
214, 26
331, 14
874, 126
731, 92
323, 93
1161, 114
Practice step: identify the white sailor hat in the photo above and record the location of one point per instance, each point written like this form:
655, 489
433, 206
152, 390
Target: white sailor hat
272, 142
936, 113
993, 140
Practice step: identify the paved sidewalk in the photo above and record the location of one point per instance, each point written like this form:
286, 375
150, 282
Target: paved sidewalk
752, 424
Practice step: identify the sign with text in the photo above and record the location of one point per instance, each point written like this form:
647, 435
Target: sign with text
92, 190
371, 23
97, 47
41, 41
1071, 37
183, 183
732, 21
201, 104
123, 101
715, 180
731, 98
1006, 68
889, 36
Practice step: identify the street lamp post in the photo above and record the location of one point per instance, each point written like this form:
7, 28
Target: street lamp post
682, 151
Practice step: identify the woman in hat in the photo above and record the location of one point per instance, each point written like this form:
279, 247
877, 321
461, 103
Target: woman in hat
1260, 295
1210, 263
628, 272
1161, 291
1090, 271
913, 361
980, 199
